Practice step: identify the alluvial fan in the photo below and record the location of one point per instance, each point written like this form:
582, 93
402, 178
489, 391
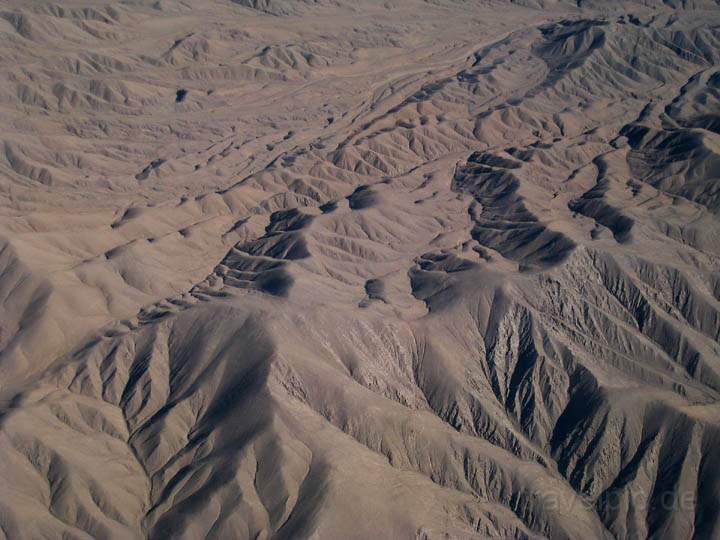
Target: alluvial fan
278, 269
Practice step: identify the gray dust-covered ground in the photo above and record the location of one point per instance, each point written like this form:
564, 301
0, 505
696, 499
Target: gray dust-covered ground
334, 269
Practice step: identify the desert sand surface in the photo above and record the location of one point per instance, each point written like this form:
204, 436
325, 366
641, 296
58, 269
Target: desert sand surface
359, 269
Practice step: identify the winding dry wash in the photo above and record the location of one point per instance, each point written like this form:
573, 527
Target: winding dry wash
334, 269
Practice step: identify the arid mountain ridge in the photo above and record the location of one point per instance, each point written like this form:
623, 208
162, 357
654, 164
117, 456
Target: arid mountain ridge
391, 269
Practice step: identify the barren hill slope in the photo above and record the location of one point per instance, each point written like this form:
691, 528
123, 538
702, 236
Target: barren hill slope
404, 269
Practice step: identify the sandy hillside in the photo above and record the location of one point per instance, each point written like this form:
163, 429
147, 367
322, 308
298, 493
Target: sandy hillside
334, 269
